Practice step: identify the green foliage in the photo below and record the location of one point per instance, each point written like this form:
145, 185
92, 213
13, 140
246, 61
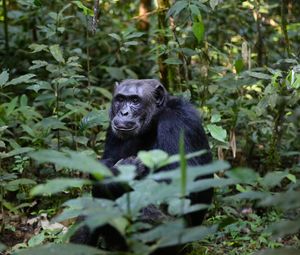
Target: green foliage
62, 249
237, 61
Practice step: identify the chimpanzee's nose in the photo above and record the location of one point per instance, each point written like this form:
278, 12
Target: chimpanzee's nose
124, 112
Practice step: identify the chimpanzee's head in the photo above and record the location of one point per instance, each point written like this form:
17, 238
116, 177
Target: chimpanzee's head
134, 105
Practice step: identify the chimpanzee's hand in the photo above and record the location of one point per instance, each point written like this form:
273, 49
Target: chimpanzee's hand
141, 170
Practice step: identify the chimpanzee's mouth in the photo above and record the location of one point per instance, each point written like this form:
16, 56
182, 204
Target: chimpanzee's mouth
124, 129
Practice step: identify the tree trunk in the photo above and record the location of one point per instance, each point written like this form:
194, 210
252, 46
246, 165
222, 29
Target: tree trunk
144, 10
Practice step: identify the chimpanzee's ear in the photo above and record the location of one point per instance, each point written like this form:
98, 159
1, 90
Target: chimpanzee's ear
116, 85
160, 95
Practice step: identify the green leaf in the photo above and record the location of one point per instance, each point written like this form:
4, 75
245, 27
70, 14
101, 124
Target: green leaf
194, 171
94, 118
285, 227
39, 86
115, 36
177, 8
22, 79
52, 123
15, 152
115, 72
2, 247
153, 158
4, 77
15, 184
37, 3
133, 35
61, 249
273, 179
186, 235
214, 3
281, 251
195, 10
183, 165
86, 10
105, 92
72, 160
173, 61
177, 234
198, 30
217, 132
215, 118
38, 64
243, 175
57, 53
36, 240
38, 47
292, 178
58, 185
2, 144
239, 65
258, 75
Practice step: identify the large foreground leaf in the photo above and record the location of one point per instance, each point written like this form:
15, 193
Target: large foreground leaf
72, 160
61, 249
58, 185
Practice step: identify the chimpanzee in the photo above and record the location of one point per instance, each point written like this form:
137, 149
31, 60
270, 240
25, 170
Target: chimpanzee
145, 117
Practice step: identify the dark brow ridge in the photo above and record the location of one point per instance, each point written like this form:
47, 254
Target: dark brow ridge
128, 96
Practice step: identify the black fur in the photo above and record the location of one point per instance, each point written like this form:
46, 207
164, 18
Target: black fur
163, 133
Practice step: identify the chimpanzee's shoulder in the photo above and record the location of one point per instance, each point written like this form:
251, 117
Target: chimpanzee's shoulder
180, 108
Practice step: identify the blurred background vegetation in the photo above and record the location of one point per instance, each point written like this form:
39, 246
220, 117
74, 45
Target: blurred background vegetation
237, 61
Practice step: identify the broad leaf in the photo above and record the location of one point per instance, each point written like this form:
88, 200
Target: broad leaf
22, 79
16, 152
58, 185
214, 3
61, 249
198, 30
4, 78
258, 75
217, 132
72, 160
57, 53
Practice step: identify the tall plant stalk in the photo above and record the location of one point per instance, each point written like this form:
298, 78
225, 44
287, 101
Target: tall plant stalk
284, 10
5, 24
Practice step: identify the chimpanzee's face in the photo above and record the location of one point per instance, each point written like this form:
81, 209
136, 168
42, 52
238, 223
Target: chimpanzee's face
134, 105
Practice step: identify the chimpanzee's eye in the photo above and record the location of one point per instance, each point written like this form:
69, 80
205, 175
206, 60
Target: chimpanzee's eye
135, 99
119, 99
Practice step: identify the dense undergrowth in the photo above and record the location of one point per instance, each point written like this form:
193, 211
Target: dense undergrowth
237, 61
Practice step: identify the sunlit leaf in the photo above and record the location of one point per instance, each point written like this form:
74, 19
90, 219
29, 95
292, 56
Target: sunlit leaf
87, 11
36, 240
152, 159
57, 53
38, 47
214, 3
4, 78
21, 79
198, 30
217, 132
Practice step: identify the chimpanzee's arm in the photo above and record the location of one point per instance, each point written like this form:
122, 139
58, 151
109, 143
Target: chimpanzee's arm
112, 154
